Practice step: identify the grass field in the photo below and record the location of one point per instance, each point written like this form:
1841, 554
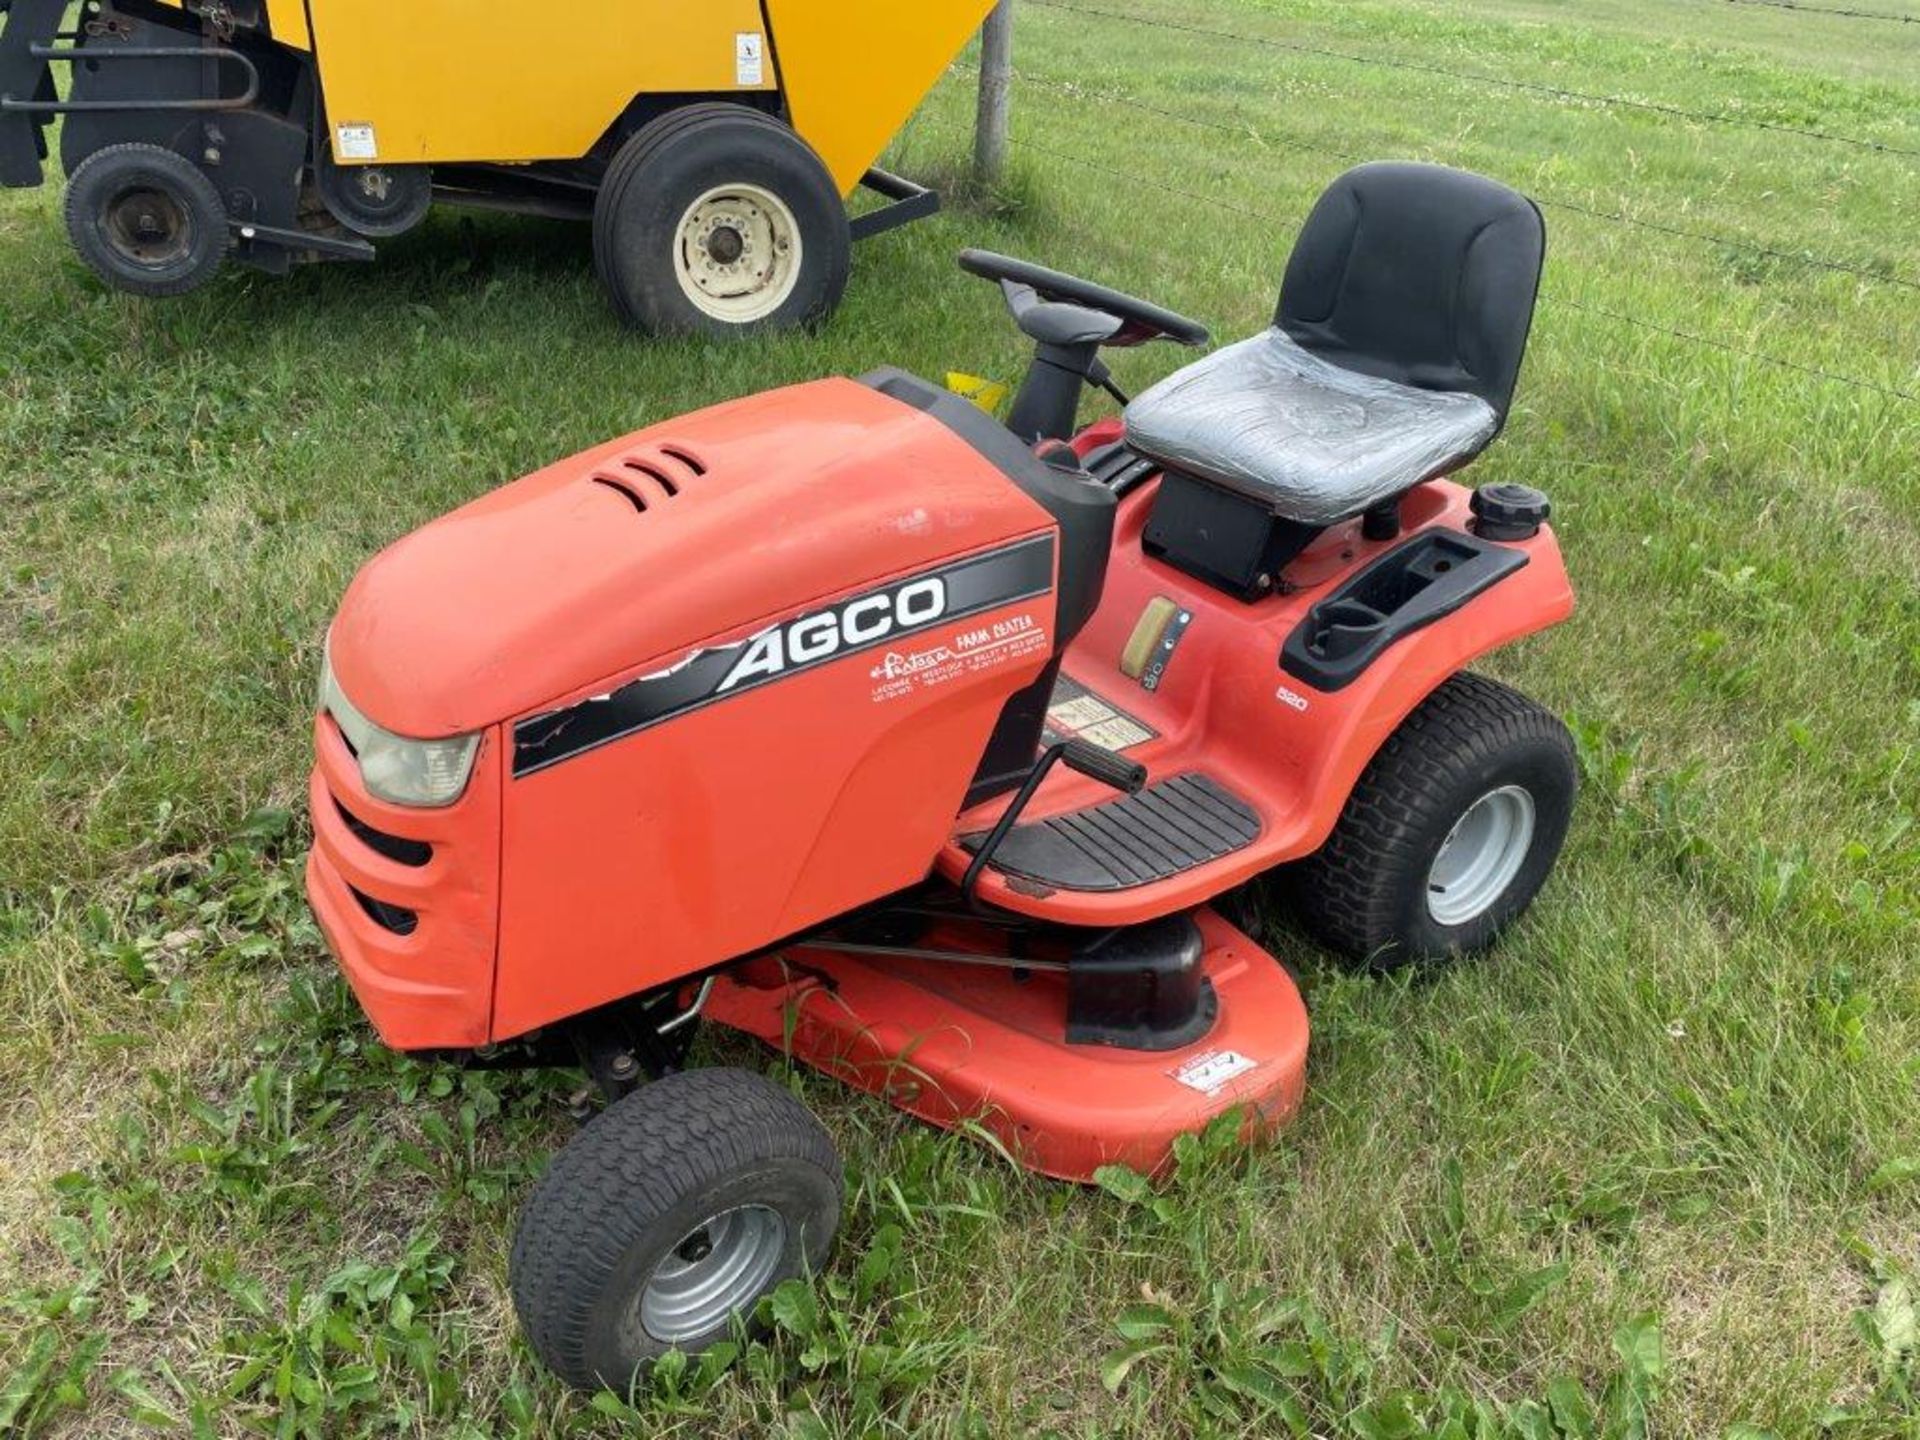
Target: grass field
1652, 1167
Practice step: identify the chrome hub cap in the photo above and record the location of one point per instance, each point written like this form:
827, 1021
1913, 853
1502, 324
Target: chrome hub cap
717, 1268
1480, 856
737, 253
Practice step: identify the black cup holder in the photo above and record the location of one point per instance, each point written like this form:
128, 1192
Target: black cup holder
1412, 585
1341, 627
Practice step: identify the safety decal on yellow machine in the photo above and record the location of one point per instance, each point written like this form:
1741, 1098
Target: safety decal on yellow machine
749, 58
355, 142
1076, 713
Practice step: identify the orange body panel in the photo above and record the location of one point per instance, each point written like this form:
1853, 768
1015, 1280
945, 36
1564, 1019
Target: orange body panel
957, 1043
1224, 705
558, 585
433, 988
686, 843
727, 828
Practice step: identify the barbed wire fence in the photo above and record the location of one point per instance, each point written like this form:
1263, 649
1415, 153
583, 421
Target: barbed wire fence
1000, 78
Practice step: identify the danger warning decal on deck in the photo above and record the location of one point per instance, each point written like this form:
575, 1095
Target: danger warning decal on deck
1213, 1071
1076, 713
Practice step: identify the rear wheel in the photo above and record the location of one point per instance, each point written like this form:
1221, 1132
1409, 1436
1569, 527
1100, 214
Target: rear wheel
668, 1218
720, 220
378, 201
1450, 832
146, 220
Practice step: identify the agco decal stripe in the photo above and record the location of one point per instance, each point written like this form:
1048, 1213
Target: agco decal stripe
804, 642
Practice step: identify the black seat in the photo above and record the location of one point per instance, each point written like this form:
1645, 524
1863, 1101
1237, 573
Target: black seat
1402, 322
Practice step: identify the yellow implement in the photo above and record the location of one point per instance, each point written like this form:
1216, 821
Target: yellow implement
712, 146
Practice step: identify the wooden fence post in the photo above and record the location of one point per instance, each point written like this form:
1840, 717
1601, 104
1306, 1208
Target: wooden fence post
996, 94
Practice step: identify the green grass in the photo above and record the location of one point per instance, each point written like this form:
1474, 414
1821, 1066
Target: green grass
1657, 1154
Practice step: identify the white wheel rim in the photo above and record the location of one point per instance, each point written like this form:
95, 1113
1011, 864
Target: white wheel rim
717, 1268
737, 253
1480, 856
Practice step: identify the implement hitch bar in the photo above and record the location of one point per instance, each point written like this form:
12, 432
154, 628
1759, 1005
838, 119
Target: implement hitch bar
29, 30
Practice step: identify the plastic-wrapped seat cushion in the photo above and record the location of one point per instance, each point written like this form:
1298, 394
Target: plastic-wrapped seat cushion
1317, 442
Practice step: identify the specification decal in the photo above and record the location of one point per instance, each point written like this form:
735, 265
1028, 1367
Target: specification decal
1210, 1073
1076, 713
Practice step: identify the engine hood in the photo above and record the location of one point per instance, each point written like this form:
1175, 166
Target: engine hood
655, 544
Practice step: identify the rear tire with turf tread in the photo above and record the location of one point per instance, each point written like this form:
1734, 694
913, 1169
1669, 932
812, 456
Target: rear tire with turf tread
641, 1179
1365, 892
188, 239
663, 170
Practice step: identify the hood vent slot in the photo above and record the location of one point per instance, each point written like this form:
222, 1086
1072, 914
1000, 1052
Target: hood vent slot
652, 476
632, 497
685, 457
653, 472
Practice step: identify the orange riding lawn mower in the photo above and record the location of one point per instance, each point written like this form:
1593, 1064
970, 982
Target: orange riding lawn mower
937, 752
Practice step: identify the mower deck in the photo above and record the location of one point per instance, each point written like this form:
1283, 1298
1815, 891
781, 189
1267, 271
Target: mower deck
953, 1042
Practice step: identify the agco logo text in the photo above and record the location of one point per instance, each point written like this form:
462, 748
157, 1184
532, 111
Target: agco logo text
823, 634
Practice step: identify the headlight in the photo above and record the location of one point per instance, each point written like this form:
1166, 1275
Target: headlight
396, 769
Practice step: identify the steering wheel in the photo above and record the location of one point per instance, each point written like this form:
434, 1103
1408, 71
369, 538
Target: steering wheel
1065, 310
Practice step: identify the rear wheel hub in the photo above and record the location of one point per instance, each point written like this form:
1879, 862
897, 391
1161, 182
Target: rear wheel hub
737, 253
147, 226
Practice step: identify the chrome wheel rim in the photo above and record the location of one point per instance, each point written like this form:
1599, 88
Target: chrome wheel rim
1480, 856
715, 1269
737, 253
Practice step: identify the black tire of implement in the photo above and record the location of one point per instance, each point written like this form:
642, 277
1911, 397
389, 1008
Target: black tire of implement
405, 207
1364, 892
634, 1183
119, 167
656, 177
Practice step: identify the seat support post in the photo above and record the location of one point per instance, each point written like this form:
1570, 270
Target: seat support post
1382, 521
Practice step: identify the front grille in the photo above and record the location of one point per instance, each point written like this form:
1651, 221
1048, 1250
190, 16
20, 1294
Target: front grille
395, 918
394, 847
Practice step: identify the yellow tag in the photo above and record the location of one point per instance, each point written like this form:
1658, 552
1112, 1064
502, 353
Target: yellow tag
989, 395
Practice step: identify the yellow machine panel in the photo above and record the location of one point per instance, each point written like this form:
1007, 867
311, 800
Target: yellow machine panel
287, 21
854, 70
491, 81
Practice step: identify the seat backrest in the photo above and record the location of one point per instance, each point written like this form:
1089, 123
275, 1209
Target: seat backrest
1419, 274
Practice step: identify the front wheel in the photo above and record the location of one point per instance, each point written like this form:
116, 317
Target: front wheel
146, 220
1450, 832
719, 220
668, 1218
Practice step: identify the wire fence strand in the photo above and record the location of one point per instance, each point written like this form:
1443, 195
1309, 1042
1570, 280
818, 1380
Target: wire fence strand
1758, 357
1805, 260
1824, 10
1533, 87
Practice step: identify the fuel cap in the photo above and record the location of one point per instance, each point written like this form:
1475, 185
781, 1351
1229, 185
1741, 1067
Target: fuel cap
1509, 512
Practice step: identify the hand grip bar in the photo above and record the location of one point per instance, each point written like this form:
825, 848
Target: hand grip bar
1106, 766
